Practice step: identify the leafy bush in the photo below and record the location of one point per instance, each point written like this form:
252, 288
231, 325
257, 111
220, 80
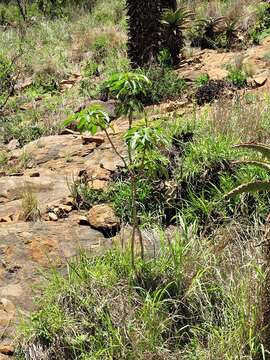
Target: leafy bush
261, 29
165, 85
202, 79
55, 8
7, 69
237, 77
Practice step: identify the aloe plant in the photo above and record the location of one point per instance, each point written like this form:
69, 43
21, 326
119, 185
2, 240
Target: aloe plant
258, 185
206, 31
174, 23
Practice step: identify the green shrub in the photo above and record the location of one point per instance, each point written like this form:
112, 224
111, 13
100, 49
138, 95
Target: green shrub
261, 28
165, 85
237, 77
202, 79
56, 8
7, 69
45, 83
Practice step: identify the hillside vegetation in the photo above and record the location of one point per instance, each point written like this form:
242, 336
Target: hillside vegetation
186, 275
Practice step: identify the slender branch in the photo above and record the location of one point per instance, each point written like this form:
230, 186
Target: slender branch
114, 148
22, 9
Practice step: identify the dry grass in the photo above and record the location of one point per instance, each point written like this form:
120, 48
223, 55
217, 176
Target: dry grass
244, 117
86, 43
29, 205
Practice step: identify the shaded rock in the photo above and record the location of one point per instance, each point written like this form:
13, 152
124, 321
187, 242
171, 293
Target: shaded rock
34, 174
7, 312
103, 218
260, 80
6, 349
98, 184
82, 220
13, 144
53, 216
88, 139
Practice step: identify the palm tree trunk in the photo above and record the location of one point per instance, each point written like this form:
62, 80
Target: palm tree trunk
168, 4
143, 31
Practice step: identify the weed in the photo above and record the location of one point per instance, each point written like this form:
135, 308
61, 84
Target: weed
165, 85
202, 79
29, 206
237, 77
3, 159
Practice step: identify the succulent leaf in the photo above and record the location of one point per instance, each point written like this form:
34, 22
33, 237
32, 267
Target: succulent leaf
249, 187
262, 164
262, 148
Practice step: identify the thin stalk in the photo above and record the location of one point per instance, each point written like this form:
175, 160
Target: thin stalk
137, 220
114, 148
22, 9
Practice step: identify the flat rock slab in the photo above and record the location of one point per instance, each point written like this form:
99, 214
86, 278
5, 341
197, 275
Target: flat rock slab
51, 148
26, 251
47, 188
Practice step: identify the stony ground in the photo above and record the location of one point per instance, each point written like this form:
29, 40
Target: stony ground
53, 164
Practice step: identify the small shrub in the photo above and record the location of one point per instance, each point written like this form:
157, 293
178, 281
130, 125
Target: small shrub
7, 69
45, 83
206, 31
202, 79
29, 207
165, 85
261, 28
237, 77
164, 58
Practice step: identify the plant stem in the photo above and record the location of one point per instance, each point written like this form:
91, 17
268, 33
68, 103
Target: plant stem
114, 148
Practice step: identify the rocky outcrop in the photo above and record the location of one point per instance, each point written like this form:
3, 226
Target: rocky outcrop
26, 250
53, 165
103, 218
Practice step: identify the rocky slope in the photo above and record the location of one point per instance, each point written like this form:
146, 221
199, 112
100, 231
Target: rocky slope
53, 163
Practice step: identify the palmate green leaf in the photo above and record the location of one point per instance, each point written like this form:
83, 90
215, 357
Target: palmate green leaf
127, 84
90, 119
144, 137
262, 148
249, 187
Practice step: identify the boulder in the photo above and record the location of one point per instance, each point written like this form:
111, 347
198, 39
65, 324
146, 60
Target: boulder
13, 144
103, 218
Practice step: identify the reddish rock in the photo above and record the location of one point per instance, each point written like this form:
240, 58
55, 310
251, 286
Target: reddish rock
6, 349
7, 313
13, 144
98, 140
103, 217
98, 184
